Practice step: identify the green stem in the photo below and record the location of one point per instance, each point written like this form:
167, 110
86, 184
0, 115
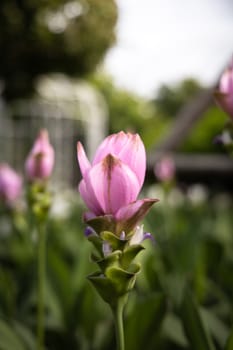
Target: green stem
41, 284
118, 318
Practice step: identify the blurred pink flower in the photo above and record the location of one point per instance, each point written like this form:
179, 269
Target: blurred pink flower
10, 184
40, 161
165, 169
224, 93
111, 184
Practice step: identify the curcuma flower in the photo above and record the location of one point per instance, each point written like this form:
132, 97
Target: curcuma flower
10, 184
110, 187
224, 93
111, 184
40, 161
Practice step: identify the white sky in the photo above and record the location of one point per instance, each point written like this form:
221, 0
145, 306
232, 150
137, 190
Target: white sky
164, 41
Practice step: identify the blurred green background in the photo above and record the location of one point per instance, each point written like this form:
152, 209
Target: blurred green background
51, 76
190, 263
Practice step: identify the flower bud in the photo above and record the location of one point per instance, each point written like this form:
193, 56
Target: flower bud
224, 93
10, 185
111, 184
40, 161
116, 175
165, 169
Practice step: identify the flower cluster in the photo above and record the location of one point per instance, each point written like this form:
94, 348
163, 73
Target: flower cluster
109, 188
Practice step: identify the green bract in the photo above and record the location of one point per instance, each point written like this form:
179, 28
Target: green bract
117, 271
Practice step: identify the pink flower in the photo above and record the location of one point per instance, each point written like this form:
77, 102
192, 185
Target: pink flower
40, 161
111, 184
165, 169
10, 184
224, 94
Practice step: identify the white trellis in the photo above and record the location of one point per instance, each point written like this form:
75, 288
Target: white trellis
71, 110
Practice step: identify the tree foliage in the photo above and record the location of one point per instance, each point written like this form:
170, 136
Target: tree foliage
201, 137
129, 112
38, 37
170, 98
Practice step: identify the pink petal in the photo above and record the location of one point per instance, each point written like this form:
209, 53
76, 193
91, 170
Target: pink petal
89, 198
113, 183
134, 155
42, 144
40, 165
129, 216
165, 169
226, 81
112, 144
84, 163
40, 161
10, 184
225, 101
128, 148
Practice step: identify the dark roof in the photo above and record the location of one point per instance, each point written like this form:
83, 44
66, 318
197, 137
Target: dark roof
191, 165
184, 121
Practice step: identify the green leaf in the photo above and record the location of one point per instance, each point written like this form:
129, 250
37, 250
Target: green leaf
115, 242
104, 286
217, 327
60, 275
110, 260
144, 321
193, 324
9, 340
134, 268
95, 257
102, 223
97, 243
173, 329
229, 344
115, 283
130, 253
26, 335
122, 280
